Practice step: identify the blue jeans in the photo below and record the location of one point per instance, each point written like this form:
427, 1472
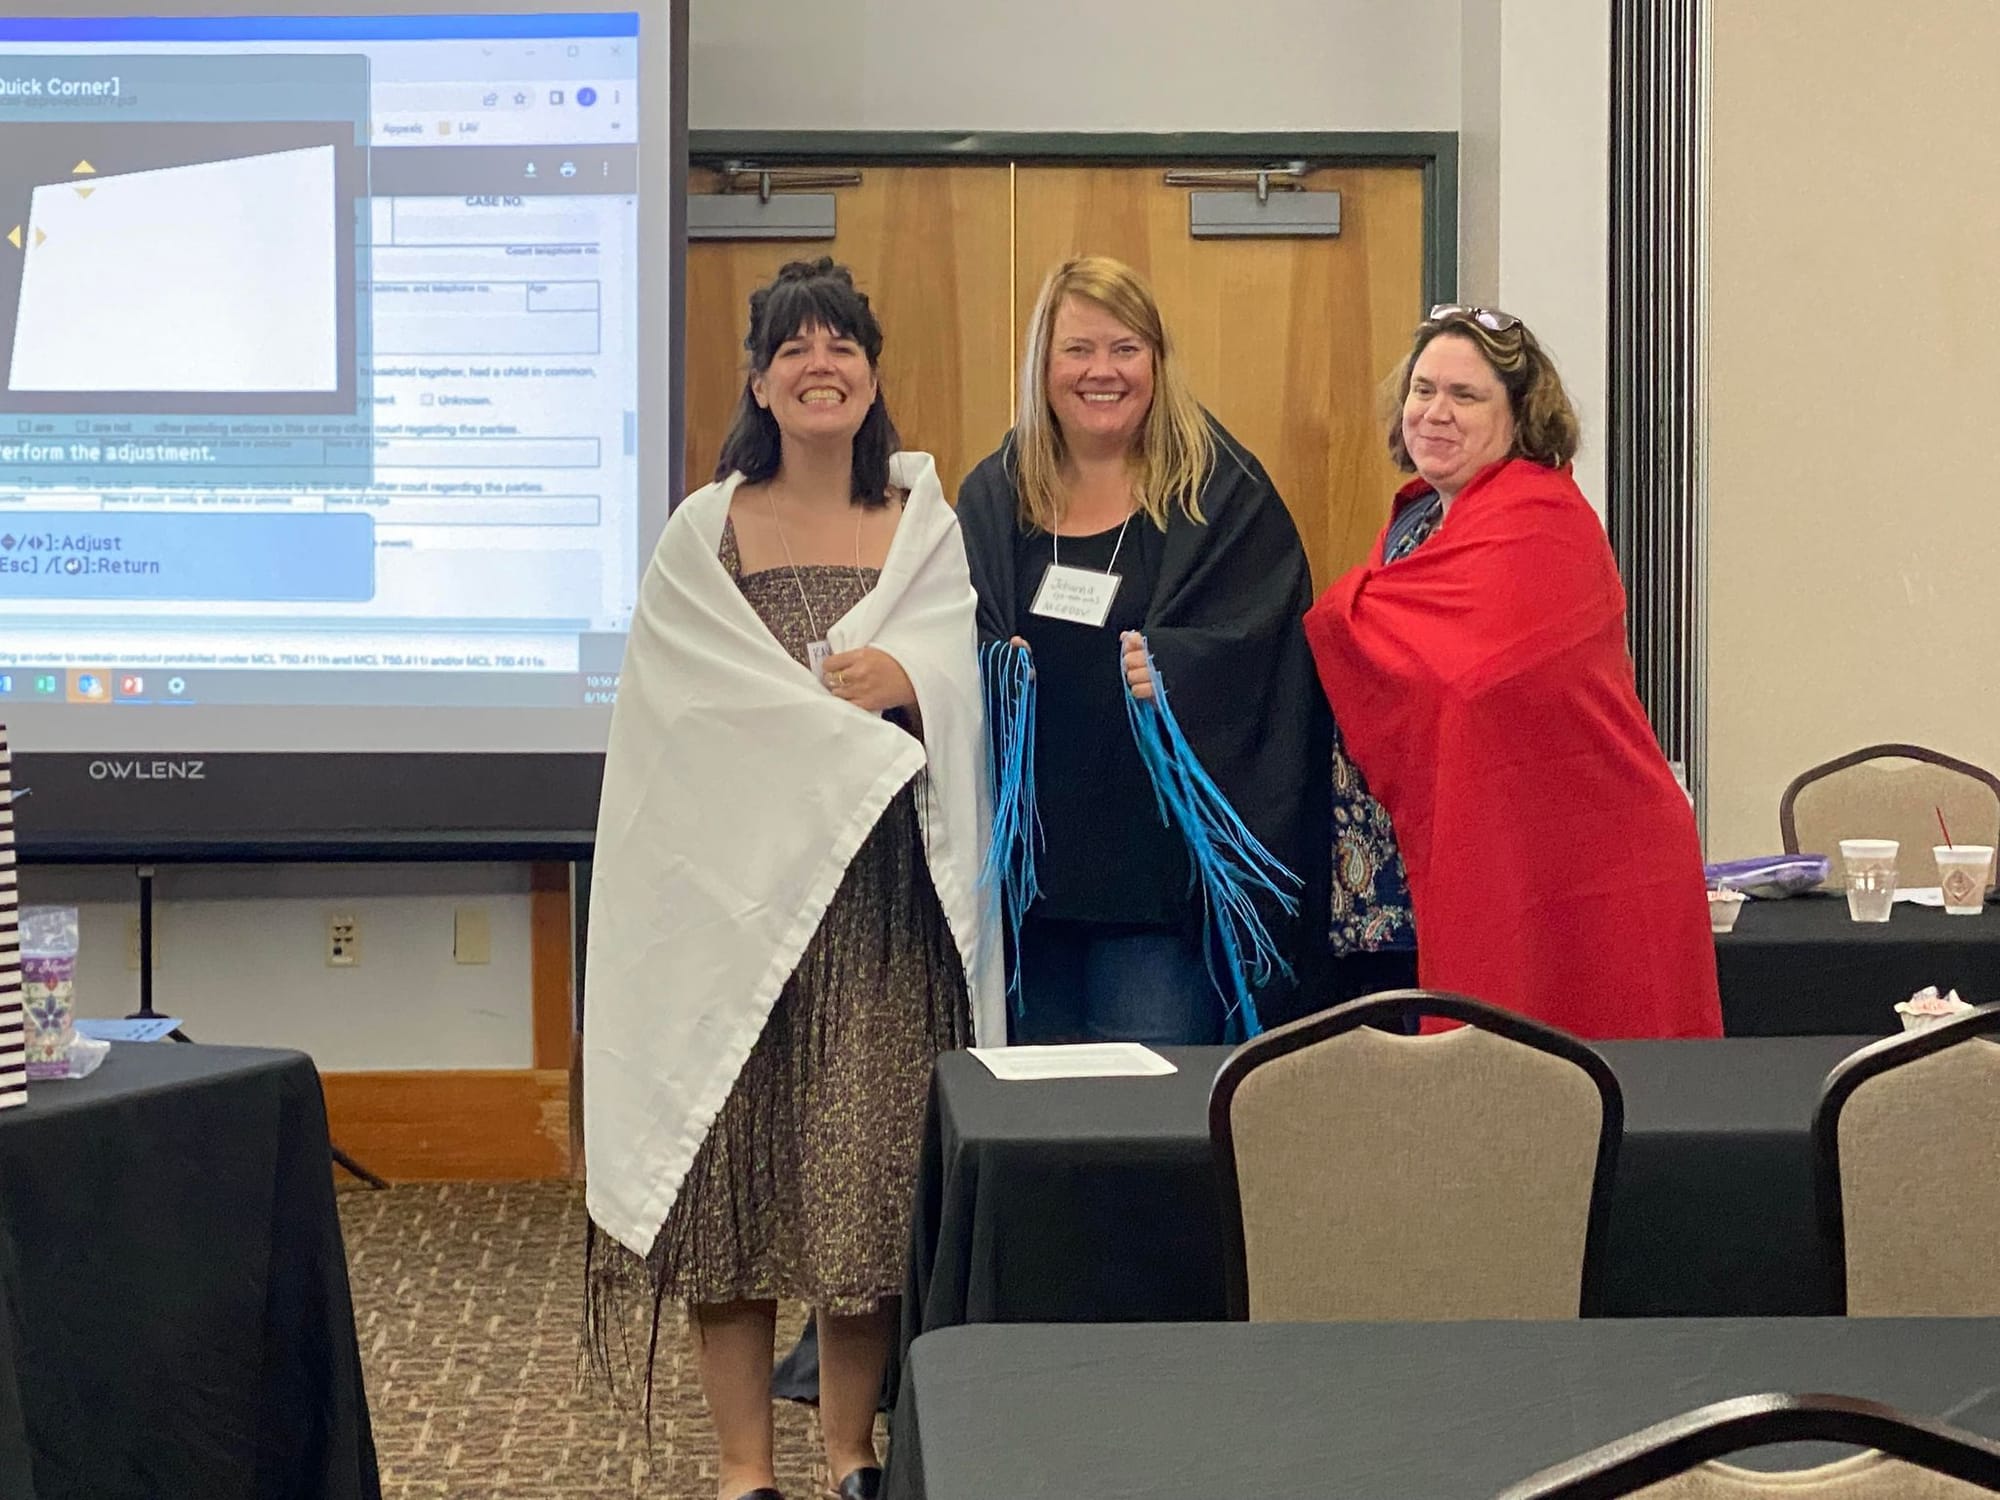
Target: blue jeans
1086, 982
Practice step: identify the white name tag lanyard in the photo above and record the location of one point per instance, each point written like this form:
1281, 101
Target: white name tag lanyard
818, 649
1080, 595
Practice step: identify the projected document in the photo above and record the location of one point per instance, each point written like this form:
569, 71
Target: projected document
219, 277
321, 354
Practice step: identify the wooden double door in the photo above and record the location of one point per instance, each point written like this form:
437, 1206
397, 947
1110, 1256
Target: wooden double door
1287, 341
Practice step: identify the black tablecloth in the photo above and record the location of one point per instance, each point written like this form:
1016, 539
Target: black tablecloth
1094, 1200
1384, 1411
1800, 967
174, 1308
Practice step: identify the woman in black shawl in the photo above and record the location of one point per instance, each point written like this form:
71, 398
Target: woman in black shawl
1161, 813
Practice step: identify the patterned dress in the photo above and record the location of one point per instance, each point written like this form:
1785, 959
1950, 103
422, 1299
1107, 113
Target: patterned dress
802, 1189
1371, 890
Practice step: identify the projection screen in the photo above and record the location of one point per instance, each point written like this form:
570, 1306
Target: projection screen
339, 414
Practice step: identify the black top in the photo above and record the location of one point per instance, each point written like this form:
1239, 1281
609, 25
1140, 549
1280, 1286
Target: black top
1106, 855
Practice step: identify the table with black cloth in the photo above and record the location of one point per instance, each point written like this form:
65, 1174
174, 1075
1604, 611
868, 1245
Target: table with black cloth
1386, 1411
1094, 1200
174, 1310
1801, 967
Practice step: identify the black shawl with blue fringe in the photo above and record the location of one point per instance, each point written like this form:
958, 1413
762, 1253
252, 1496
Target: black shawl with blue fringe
1224, 628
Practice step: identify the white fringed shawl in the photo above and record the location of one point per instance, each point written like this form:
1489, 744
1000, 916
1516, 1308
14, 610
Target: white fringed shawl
736, 791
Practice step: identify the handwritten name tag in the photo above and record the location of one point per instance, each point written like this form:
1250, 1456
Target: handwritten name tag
1079, 595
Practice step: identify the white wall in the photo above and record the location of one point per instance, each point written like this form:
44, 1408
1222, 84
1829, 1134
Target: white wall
242, 958
243, 949
1555, 175
1853, 370
1534, 202
1147, 65
1479, 119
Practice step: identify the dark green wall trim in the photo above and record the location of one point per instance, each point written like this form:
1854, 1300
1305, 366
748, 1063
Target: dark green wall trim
709, 146
1436, 151
1441, 224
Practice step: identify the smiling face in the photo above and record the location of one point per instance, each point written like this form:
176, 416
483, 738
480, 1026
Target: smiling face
1456, 418
1100, 378
818, 386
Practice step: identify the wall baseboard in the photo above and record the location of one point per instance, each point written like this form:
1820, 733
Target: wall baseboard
497, 1125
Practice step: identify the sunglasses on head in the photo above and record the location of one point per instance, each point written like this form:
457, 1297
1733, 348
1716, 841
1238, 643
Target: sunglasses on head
1488, 318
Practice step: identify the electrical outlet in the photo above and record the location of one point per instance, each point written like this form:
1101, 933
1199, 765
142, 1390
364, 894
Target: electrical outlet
132, 943
471, 936
343, 940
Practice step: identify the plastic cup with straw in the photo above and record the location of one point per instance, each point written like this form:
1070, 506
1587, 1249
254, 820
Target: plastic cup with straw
1962, 871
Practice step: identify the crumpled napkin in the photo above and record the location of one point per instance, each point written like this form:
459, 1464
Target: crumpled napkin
1927, 1008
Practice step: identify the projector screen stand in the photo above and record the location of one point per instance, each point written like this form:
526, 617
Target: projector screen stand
146, 1012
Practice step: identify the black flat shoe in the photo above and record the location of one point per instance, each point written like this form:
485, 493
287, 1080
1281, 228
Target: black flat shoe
767, 1493
862, 1484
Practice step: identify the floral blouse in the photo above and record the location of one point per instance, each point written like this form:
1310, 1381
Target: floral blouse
1371, 890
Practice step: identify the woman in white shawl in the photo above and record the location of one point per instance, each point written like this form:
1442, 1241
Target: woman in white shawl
786, 923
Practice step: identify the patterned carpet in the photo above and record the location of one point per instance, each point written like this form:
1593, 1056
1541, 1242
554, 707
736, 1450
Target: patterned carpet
469, 1302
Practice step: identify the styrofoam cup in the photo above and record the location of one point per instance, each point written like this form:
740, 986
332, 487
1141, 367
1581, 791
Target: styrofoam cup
1962, 873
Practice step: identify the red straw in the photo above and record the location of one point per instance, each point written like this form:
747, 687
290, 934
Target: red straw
1941, 828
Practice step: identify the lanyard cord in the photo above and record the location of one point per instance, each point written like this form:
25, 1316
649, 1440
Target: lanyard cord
812, 618
1055, 546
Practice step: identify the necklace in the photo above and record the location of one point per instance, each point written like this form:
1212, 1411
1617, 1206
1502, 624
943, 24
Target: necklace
812, 618
1419, 530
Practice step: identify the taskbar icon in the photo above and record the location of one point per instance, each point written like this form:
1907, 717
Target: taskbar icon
89, 685
92, 685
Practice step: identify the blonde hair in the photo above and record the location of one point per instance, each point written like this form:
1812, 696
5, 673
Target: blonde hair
1546, 430
1175, 449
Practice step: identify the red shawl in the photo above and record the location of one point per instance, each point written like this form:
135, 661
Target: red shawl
1483, 687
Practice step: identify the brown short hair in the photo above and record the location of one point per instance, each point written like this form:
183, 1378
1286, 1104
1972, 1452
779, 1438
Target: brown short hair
1545, 427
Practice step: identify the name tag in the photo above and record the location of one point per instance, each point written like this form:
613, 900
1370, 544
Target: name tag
1080, 595
816, 654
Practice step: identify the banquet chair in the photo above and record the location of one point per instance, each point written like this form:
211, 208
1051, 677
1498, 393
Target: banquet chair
1890, 792
1370, 1175
1906, 1151
1905, 1458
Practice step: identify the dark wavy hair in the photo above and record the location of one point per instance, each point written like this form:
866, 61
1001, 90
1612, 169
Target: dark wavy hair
809, 294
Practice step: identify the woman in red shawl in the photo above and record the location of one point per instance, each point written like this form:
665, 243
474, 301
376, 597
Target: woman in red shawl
1478, 671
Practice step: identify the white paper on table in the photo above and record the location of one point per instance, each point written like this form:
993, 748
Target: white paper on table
1077, 1060
220, 277
1921, 895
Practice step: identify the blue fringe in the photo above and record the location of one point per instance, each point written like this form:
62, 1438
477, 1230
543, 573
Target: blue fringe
1228, 863
1008, 678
